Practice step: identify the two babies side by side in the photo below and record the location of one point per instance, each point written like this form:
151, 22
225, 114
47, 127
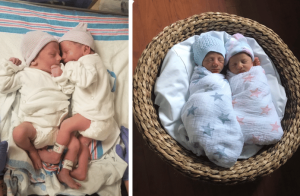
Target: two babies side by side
46, 86
222, 113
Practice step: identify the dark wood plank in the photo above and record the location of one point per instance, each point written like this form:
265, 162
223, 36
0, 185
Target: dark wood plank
140, 170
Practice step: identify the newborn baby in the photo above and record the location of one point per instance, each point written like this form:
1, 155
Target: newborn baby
251, 96
208, 116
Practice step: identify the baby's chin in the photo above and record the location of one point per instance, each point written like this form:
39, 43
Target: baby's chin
243, 71
237, 72
66, 61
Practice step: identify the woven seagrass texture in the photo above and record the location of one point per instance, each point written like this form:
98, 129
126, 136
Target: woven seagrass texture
200, 168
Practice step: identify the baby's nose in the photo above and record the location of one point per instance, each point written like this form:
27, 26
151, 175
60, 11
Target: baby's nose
58, 57
215, 63
240, 66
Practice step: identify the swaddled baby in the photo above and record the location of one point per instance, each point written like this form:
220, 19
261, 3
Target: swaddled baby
251, 96
208, 116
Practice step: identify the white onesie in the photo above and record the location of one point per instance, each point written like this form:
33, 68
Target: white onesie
43, 102
92, 97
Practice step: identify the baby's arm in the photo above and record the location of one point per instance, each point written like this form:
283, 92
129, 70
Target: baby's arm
9, 81
83, 76
56, 70
15, 61
66, 86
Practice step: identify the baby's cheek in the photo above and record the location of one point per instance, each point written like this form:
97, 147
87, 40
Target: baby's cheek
249, 67
234, 70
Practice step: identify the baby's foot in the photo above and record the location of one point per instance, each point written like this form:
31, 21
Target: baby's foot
49, 156
78, 174
35, 158
256, 61
64, 177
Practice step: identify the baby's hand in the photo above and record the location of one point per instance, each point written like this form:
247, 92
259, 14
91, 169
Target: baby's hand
15, 61
256, 61
56, 70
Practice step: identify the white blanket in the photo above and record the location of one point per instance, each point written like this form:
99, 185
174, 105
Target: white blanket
104, 176
255, 111
209, 119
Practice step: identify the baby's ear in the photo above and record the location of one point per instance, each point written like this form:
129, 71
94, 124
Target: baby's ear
33, 63
87, 50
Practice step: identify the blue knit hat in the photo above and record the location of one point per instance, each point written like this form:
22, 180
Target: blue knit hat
204, 44
237, 44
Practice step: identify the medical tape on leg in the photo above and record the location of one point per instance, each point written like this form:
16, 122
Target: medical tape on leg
68, 164
58, 148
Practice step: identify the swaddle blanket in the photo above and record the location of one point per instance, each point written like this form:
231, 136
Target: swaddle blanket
209, 119
255, 111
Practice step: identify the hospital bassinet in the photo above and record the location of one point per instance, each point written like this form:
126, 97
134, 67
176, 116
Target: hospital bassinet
146, 117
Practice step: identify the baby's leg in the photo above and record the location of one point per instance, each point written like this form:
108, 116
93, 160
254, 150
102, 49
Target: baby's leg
23, 135
81, 171
64, 174
68, 126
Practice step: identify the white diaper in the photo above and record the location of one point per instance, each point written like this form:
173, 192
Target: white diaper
100, 130
45, 136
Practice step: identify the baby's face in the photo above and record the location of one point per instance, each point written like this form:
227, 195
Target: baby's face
71, 51
213, 62
240, 63
48, 56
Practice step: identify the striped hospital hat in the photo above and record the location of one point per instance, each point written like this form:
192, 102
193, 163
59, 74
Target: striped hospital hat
79, 34
33, 42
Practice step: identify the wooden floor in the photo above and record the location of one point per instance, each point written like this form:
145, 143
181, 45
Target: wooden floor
154, 177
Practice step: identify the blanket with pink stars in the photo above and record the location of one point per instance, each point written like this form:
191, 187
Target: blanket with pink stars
255, 111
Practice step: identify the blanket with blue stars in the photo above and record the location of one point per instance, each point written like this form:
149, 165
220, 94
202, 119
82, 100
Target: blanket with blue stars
209, 120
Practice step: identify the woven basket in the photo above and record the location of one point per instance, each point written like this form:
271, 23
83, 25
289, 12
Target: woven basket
146, 117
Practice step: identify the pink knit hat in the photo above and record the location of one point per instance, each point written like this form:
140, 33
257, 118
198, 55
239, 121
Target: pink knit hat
236, 44
79, 34
33, 42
